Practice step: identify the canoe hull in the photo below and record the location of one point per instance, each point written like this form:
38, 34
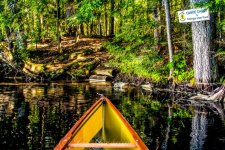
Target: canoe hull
102, 126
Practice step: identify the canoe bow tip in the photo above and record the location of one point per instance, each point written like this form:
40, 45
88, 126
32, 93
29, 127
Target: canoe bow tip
101, 95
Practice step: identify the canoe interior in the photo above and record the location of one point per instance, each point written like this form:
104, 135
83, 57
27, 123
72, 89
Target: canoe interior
102, 128
90, 126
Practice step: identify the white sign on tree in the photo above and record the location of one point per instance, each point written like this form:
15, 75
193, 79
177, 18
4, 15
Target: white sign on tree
192, 15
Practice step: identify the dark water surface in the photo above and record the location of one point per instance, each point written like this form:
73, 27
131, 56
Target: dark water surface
37, 116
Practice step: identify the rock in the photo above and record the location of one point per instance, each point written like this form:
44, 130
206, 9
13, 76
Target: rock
105, 71
98, 78
147, 87
121, 85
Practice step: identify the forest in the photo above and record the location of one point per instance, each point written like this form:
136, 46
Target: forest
141, 39
46, 46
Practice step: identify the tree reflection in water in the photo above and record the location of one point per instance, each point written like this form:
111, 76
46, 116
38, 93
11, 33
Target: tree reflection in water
38, 116
199, 130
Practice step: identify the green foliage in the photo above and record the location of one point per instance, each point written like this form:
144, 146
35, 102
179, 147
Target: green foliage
182, 72
90, 66
133, 46
21, 54
130, 60
88, 51
136, 31
134, 54
34, 115
222, 79
179, 112
1, 37
155, 105
221, 25
87, 12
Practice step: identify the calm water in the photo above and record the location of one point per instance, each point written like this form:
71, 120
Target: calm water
37, 116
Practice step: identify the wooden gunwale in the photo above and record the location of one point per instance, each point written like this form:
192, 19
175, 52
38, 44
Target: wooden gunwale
102, 145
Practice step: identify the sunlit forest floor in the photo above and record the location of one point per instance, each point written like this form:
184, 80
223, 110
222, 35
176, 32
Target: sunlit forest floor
47, 52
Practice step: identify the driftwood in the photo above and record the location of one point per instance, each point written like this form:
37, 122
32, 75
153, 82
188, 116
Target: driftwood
216, 95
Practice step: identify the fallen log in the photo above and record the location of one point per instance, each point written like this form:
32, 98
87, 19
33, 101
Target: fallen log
218, 96
215, 96
35, 69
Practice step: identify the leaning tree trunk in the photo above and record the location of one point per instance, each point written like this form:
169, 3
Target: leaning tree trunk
202, 48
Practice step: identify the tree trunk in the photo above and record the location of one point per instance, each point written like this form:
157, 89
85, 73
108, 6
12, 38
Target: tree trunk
120, 17
100, 25
58, 27
91, 28
133, 10
202, 48
169, 36
106, 21
77, 33
69, 9
111, 32
157, 30
42, 27
9, 39
82, 29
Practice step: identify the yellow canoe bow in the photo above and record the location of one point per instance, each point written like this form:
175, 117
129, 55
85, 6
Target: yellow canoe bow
102, 126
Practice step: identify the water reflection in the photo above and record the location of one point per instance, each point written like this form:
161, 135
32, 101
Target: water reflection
199, 130
38, 116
